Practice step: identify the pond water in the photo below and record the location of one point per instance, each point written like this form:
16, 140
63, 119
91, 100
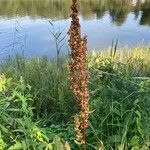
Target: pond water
25, 27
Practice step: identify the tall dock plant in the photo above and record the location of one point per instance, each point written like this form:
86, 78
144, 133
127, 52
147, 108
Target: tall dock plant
78, 74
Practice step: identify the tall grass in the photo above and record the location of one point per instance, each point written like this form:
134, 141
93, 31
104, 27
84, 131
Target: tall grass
120, 98
51, 88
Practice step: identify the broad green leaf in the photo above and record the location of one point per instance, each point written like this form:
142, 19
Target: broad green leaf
134, 140
16, 146
136, 147
4, 129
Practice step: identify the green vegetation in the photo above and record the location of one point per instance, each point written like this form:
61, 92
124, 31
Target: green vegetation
18, 130
36, 102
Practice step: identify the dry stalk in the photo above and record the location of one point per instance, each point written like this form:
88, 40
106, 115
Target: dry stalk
78, 73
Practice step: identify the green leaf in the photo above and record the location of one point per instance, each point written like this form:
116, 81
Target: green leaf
49, 147
138, 113
134, 140
16, 146
3, 129
136, 147
14, 109
114, 139
116, 111
136, 101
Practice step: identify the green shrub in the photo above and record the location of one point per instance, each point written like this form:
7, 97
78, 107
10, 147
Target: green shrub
18, 130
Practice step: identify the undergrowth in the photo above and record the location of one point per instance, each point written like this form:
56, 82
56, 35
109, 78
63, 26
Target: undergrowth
36, 102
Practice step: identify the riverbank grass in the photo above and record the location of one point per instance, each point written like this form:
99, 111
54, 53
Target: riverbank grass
36, 102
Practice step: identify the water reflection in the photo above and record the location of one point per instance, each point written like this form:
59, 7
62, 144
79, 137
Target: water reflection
25, 23
145, 18
60, 9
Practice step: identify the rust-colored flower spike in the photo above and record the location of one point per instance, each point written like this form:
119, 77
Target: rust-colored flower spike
78, 73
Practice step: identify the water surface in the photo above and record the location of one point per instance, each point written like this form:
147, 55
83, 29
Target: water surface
25, 27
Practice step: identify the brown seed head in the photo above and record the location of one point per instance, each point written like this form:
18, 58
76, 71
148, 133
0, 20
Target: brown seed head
78, 72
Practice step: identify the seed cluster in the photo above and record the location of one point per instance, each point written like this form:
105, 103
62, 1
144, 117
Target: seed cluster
78, 73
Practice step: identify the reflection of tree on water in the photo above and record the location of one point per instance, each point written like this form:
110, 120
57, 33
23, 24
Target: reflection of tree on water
118, 17
145, 18
99, 13
97, 8
118, 9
